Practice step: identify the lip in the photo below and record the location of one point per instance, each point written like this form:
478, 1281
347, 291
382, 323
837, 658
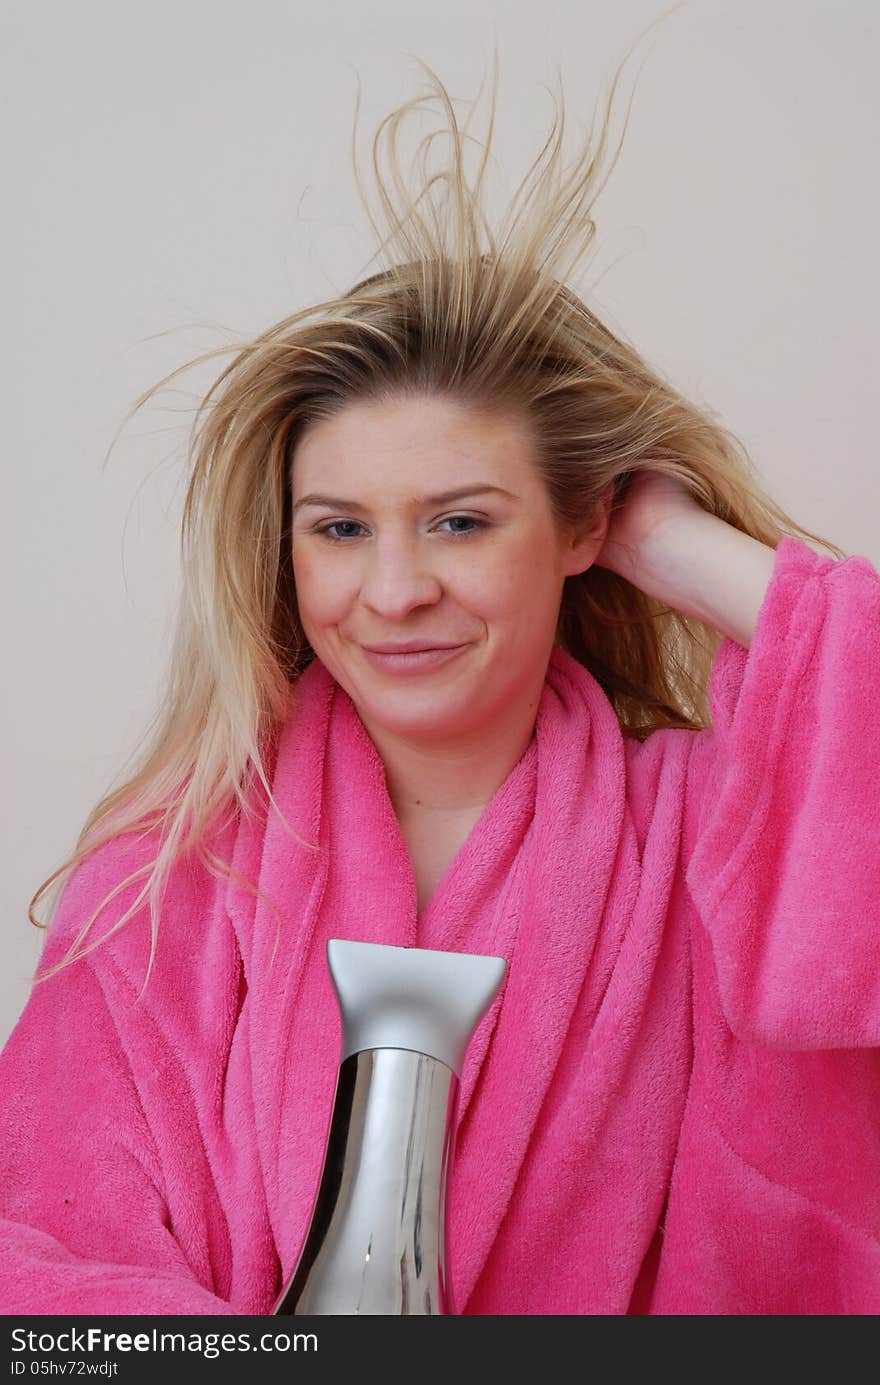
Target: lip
410, 646
413, 661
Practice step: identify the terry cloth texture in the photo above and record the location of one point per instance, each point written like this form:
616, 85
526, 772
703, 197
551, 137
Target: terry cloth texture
672, 1106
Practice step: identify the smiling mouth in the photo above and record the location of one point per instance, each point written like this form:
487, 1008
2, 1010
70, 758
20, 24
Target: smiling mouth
413, 662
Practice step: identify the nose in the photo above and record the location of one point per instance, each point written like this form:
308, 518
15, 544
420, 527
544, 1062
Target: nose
398, 576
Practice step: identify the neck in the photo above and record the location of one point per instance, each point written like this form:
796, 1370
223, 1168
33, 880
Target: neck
457, 776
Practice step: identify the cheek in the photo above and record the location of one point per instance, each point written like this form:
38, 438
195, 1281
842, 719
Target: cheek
519, 576
317, 585
502, 597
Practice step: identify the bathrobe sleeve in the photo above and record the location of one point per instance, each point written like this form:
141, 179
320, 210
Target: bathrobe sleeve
785, 871
83, 1219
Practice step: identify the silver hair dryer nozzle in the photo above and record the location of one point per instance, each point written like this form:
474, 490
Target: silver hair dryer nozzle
411, 997
376, 1241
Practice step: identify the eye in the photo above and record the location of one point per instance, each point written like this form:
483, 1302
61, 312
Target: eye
335, 538
468, 519
325, 529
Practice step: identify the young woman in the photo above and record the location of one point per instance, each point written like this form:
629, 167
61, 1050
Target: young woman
642, 764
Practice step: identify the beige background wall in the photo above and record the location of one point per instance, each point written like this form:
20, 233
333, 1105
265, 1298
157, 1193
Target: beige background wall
190, 165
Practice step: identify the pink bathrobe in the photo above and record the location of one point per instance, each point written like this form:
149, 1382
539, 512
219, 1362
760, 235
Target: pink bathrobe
672, 1106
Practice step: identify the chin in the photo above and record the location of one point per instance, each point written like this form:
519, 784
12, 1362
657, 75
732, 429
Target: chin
428, 715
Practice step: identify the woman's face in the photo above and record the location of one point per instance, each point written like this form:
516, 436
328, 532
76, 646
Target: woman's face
381, 554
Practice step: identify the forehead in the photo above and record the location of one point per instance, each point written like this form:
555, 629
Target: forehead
412, 439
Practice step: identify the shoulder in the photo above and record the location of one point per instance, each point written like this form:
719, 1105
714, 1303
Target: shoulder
662, 777
105, 909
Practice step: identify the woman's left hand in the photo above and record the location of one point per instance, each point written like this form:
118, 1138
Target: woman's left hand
652, 499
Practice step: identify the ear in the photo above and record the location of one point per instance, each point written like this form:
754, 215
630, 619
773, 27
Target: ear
584, 543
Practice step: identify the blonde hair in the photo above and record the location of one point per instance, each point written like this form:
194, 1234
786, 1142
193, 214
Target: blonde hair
457, 312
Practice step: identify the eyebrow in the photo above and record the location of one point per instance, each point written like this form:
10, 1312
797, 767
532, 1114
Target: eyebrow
334, 503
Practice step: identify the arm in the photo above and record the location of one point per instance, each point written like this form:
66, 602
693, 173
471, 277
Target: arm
785, 871
704, 568
84, 1225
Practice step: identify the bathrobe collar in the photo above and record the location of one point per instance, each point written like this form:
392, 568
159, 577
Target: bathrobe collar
531, 883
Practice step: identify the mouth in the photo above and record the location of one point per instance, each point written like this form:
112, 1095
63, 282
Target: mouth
414, 661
